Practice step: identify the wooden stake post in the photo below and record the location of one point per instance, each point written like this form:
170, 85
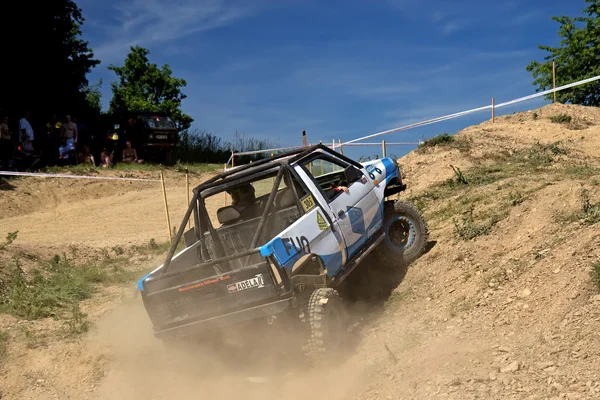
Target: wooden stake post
162, 181
383, 152
187, 193
304, 138
554, 78
493, 109
340, 144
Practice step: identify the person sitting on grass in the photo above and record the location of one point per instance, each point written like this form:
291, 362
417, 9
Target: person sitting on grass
106, 159
130, 155
85, 157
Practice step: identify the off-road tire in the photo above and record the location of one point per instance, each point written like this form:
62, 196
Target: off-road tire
327, 325
404, 214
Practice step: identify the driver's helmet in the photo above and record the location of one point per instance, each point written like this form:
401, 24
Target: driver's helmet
242, 195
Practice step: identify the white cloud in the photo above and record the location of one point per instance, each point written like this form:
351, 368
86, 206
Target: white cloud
150, 22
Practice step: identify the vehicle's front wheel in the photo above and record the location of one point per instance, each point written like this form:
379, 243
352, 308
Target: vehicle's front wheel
406, 232
327, 324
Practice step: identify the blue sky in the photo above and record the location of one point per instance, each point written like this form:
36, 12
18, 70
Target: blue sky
338, 69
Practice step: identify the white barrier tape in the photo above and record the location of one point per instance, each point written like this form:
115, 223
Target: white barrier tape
41, 175
474, 110
379, 144
435, 120
539, 94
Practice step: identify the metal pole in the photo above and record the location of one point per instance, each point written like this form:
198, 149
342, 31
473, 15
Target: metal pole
225, 195
162, 181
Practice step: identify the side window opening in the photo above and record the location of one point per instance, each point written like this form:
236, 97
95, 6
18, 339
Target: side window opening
329, 174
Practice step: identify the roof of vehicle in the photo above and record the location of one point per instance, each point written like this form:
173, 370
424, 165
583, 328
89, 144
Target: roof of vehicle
288, 157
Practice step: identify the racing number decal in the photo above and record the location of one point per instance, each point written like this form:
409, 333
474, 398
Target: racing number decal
308, 202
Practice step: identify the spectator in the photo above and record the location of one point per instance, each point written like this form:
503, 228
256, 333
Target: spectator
106, 159
6, 145
85, 157
26, 135
130, 155
69, 136
53, 128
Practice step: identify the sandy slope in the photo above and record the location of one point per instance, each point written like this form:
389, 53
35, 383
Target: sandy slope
508, 315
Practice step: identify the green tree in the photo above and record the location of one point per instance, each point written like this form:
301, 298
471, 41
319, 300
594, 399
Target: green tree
144, 87
93, 96
49, 63
577, 58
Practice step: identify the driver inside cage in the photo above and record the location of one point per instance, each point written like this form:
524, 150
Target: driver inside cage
243, 200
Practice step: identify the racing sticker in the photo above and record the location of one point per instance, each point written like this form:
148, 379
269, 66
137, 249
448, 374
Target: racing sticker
204, 283
321, 221
308, 202
256, 282
357, 221
371, 169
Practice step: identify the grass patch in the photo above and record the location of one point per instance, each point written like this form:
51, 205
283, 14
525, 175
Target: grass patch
595, 273
32, 340
10, 237
56, 286
460, 306
77, 323
3, 344
561, 119
445, 140
581, 170
86, 169
467, 229
589, 212
516, 198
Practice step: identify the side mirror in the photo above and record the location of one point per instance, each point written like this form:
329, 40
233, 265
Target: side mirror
352, 174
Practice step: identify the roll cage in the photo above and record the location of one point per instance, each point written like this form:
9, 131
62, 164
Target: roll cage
228, 179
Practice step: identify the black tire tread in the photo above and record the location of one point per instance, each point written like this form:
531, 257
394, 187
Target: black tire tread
407, 208
316, 348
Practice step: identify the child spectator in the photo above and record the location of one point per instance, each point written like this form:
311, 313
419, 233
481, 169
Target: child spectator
106, 159
85, 157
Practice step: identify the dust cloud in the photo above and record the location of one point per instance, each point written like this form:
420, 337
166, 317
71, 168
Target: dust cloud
264, 367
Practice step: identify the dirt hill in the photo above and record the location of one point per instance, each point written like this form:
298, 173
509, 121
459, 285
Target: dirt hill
504, 305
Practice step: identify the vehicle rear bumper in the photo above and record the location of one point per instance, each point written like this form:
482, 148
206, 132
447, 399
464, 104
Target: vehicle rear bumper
261, 311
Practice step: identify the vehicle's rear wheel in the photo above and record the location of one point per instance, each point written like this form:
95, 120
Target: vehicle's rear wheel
327, 325
406, 233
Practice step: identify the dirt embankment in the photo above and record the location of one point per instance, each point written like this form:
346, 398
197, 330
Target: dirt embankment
503, 305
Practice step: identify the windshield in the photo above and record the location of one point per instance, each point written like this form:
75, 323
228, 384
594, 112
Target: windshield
159, 122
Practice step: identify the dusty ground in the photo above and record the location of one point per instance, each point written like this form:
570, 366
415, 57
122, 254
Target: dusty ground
511, 313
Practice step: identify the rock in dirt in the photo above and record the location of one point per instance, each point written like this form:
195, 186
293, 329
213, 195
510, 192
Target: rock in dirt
512, 367
525, 293
544, 364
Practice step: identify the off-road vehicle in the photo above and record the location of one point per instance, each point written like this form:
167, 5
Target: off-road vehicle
283, 233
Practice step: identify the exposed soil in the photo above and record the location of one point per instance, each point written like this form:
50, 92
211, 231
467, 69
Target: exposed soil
510, 313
